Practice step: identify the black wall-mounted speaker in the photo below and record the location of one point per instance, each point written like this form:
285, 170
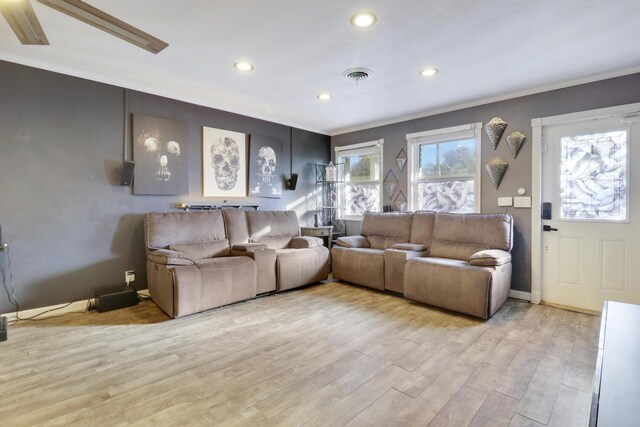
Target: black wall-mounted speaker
127, 172
290, 184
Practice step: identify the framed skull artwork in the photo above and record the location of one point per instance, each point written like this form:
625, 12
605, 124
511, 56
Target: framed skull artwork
224, 163
265, 167
160, 153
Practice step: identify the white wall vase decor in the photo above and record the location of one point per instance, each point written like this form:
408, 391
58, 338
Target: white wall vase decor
515, 141
496, 169
400, 202
495, 128
390, 183
401, 159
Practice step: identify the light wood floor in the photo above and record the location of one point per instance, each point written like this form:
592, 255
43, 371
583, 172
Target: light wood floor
327, 355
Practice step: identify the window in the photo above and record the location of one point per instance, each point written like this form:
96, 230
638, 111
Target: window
444, 171
363, 176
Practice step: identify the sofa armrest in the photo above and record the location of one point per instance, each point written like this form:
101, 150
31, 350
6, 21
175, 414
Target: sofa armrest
302, 242
353, 242
490, 258
412, 247
249, 247
168, 257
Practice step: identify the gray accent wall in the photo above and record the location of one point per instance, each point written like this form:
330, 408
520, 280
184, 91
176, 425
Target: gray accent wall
518, 113
71, 228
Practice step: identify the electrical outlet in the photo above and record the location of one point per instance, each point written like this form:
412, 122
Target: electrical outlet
522, 202
505, 201
129, 276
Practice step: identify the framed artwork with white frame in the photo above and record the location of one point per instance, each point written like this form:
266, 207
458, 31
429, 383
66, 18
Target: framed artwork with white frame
224, 163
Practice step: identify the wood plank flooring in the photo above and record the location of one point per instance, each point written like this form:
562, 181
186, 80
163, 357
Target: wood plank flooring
326, 355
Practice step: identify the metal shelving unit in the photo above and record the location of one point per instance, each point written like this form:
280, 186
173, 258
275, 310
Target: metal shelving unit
330, 197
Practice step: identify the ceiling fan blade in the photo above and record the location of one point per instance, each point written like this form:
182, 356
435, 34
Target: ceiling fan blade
102, 20
23, 22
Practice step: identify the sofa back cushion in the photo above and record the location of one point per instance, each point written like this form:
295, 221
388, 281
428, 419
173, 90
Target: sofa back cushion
458, 236
275, 228
235, 222
454, 250
163, 229
385, 229
202, 250
422, 228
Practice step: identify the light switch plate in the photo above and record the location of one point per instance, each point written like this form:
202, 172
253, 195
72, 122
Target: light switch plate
522, 202
505, 201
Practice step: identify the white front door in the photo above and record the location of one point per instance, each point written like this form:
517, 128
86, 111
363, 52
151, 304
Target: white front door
591, 183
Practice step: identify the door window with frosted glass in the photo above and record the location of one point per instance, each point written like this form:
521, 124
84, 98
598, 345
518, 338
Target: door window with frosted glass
593, 176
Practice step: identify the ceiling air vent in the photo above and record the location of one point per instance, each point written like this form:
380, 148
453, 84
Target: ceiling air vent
357, 74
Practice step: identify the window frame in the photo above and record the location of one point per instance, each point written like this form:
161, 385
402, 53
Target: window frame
438, 136
361, 149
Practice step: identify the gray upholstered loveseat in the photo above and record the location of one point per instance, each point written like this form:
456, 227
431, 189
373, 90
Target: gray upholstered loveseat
201, 260
460, 262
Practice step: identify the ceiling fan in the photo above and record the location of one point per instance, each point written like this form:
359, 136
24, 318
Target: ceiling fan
24, 22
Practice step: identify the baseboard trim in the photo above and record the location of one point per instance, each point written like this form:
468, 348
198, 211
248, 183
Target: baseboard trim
58, 309
55, 310
525, 296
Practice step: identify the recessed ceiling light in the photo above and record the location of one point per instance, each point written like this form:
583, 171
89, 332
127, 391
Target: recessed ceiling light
429, 72
243, 66
363, 20
324, 96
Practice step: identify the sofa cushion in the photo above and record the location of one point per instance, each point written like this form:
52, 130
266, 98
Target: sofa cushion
275, 228
383, 242
384, 229
362, 266
422, 227
353, 242
166, 228
203, 250
490, 257
235, 222
298, 267
450, 284
167, 257
454, 250
493, 231
224, 262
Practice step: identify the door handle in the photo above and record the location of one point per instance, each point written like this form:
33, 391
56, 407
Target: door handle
548, 228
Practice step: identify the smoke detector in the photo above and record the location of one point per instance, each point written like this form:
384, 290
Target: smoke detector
357, 74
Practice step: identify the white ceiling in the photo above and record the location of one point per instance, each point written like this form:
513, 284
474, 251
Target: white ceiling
485, 50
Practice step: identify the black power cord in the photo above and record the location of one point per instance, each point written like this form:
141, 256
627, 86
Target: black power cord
10, 291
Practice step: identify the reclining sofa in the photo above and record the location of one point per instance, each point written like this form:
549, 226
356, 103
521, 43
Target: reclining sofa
460, 262
206, 259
